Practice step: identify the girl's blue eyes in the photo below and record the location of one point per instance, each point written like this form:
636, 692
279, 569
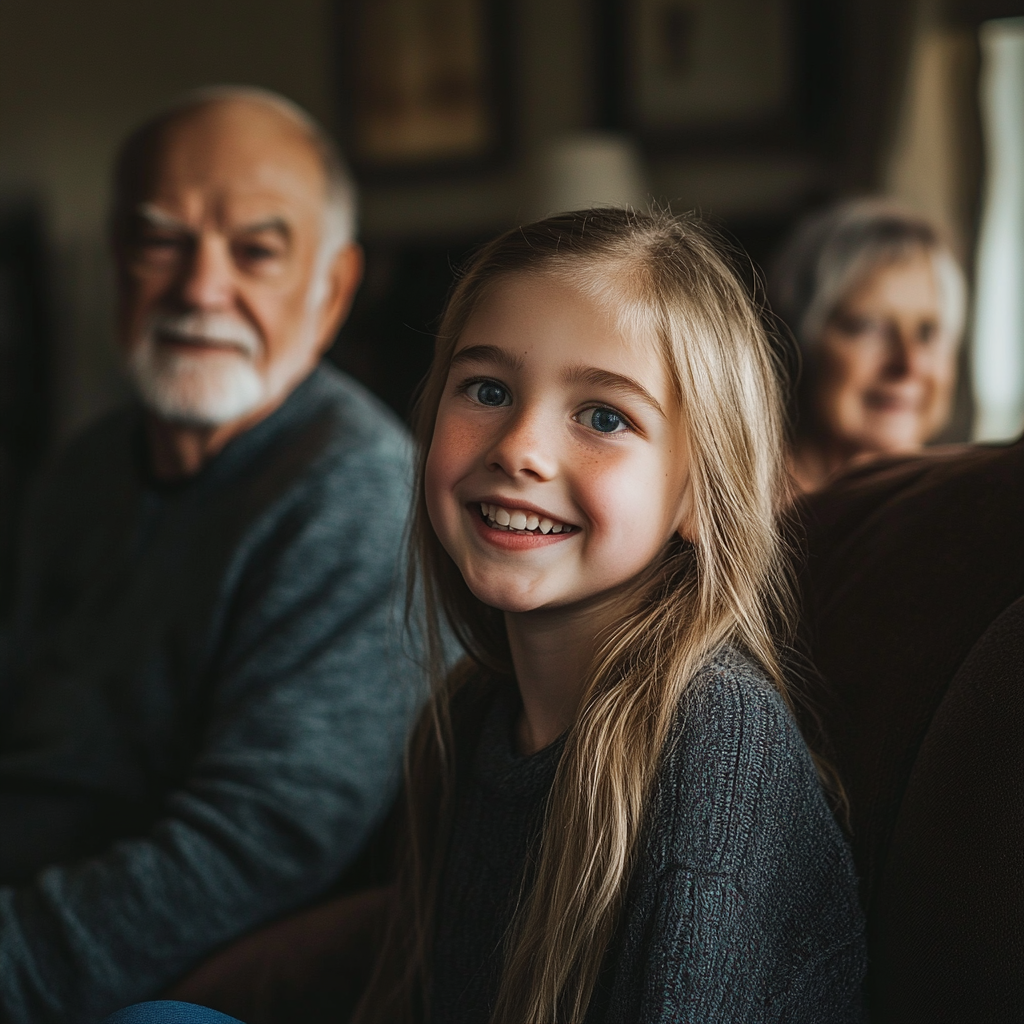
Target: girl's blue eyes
488, 392
599, 418
606, 421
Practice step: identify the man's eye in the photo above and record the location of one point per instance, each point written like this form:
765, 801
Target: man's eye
160, 251
256, 252
605, 421
489, 392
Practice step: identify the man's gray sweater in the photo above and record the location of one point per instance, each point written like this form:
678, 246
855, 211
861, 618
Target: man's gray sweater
206, 695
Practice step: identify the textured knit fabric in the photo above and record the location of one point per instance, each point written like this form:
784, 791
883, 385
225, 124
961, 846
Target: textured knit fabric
206, 700
168, 1011
742, 906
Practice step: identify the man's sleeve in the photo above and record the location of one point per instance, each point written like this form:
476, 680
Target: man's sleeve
310, 701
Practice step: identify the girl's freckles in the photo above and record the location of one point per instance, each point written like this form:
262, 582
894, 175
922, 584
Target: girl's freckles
456, 437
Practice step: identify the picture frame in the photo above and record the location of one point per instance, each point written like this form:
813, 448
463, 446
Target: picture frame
424, 86
700, 75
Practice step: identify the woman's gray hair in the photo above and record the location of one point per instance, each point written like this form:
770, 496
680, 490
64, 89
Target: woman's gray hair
833, 251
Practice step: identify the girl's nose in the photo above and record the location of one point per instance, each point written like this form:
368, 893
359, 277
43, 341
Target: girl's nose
526, 447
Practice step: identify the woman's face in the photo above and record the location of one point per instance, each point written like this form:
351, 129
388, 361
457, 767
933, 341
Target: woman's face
886, 365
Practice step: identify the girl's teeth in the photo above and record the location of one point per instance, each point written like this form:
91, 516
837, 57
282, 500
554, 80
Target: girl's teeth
519, 520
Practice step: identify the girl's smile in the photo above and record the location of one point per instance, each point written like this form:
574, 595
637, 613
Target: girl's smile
512, 526
557, 469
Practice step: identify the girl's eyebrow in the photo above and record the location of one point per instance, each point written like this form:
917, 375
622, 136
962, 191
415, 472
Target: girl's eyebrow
487, 353
591, 376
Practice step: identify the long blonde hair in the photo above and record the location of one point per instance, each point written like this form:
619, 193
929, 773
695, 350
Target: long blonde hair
668, 280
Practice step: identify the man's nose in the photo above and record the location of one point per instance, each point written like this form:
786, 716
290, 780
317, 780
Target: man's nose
526, 447
208, 278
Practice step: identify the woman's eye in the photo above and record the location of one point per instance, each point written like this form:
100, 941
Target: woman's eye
605, 421
857, 325
488, 392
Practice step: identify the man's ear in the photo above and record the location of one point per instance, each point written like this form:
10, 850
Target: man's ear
343, 280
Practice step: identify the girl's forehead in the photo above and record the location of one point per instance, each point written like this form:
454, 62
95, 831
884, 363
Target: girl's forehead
557, 326
556, 302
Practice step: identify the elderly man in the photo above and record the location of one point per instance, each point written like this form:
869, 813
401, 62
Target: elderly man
204, 701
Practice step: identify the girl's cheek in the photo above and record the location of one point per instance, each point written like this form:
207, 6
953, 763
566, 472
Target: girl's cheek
452, 454
458, 445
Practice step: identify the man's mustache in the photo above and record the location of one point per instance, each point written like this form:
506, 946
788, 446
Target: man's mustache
206, 328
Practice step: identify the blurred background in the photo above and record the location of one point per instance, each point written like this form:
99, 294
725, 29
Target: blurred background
463, 117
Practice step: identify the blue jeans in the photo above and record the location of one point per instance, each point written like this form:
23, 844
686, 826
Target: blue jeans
166, 1011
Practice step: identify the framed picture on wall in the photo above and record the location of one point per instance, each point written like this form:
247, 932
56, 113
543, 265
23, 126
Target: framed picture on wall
710, 72
424, 84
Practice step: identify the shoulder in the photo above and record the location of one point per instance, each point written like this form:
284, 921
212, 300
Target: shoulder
361, 422
91, 467
107, 443
344, 459
359, 449
734, 768
733, 709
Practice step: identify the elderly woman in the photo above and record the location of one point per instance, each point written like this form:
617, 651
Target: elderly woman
876, 301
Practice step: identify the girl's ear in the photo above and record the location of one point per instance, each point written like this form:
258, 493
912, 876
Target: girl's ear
685, 525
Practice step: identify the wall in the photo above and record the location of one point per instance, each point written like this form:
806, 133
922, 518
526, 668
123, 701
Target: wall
74, 77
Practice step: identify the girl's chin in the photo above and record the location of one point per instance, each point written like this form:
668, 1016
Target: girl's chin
510, 604
507, 596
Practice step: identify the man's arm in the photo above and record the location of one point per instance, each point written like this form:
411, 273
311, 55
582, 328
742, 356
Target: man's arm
308, 707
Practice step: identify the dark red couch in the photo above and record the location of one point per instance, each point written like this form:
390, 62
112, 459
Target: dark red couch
914, 618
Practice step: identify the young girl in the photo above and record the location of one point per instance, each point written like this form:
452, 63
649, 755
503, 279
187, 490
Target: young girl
612, 816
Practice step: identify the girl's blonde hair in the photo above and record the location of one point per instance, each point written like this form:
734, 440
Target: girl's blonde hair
667, 281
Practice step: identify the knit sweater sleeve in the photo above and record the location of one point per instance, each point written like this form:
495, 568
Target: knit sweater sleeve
744, 907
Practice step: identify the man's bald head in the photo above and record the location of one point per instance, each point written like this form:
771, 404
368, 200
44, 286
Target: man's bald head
261, 110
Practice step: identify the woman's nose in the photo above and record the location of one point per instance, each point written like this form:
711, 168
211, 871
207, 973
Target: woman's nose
525, 447
906, 354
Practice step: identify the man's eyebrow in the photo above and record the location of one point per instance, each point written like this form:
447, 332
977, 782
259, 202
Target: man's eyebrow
158, 218
593, 377
488, 353
153, 215
278, 224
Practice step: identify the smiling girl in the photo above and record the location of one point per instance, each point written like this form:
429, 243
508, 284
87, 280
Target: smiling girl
612, 815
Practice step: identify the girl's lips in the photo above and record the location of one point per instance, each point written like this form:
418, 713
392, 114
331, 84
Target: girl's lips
513, 541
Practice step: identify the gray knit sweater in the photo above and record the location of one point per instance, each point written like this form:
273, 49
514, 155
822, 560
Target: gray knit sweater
742, 906
206, 700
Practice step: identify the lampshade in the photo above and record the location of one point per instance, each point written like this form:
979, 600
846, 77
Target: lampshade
587, 169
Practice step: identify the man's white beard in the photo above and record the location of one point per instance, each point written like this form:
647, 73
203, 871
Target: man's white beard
204, 389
